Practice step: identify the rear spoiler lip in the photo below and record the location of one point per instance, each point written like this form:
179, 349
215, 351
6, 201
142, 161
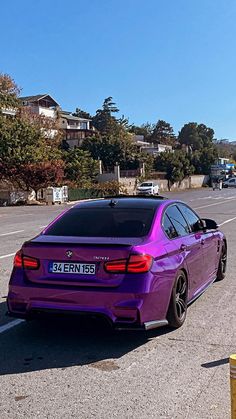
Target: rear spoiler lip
85, 241
70, 244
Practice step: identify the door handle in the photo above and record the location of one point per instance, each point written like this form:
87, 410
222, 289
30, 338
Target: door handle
183, 247
202, 241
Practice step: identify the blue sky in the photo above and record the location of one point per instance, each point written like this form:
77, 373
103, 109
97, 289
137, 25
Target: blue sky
159, 59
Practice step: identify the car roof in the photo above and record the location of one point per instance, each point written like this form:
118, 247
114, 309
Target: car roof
130, 201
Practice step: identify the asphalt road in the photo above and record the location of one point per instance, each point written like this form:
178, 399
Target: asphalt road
60, 370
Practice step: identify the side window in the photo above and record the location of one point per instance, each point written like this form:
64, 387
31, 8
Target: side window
189, 215
168, 227
178, 221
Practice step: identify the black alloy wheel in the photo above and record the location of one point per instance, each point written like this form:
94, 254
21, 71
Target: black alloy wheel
178, 303
222, 263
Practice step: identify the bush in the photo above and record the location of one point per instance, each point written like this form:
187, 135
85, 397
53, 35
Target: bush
110, 188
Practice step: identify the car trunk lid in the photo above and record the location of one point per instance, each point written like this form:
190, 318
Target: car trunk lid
76, 261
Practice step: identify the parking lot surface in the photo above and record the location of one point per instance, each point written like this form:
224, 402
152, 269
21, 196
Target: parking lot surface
55, 369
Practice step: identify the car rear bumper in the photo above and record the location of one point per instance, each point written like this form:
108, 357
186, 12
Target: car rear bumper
122, 310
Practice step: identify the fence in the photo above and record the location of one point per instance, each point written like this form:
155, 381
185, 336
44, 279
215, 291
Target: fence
77, 194
130, 173
157, 175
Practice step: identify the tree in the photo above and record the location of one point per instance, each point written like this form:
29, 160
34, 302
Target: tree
196, 136
199, 141
145, 129
104, 120
82, 114
9, 92
113, 150
189, 136
226, 148
35, 175
163, 133
80, 168
203, 159
25, 148
206, 134
177, 165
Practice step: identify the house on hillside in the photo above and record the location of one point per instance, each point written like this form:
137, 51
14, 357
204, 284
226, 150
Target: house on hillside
74, 129
150, 148
41, 105
157, 149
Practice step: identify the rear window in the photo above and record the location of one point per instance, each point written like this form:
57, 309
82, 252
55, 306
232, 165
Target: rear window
103, 222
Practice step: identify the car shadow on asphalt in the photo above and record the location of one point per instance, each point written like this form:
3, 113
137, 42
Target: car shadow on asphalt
3, 310
66, 342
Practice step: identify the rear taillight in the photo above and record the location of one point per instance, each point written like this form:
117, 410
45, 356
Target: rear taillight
116, 266
30, 263
27, 262
139, 263
135, 264
18, 260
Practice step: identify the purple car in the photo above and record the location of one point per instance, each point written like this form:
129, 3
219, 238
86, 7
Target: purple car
136, 261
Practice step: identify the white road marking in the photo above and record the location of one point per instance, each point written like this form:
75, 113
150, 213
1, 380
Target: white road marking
10, 325
12, 232
217, 197
42, 226
198, 199
216, 203
7, 256
21, 215
227, 221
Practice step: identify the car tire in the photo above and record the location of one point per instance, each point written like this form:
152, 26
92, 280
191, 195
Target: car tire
178, 302
221, 272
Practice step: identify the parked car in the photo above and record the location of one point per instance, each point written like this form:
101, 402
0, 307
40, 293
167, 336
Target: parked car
136, 261
148, 188
230, 183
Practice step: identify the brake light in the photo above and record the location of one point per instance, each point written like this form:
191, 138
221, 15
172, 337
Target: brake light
30, 263
116, 266
139, 263
135, 264
18, 260
27, 262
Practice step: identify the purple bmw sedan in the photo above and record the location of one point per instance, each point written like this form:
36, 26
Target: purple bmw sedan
136, 261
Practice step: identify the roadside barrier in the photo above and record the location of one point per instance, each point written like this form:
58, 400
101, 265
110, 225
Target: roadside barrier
232, 363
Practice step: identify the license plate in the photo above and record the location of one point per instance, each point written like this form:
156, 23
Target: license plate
72, 268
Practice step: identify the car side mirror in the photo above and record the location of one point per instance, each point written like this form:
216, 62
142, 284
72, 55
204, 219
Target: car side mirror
208, 224
200, 225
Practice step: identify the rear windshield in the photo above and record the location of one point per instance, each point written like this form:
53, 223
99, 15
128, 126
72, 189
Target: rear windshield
103, 222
